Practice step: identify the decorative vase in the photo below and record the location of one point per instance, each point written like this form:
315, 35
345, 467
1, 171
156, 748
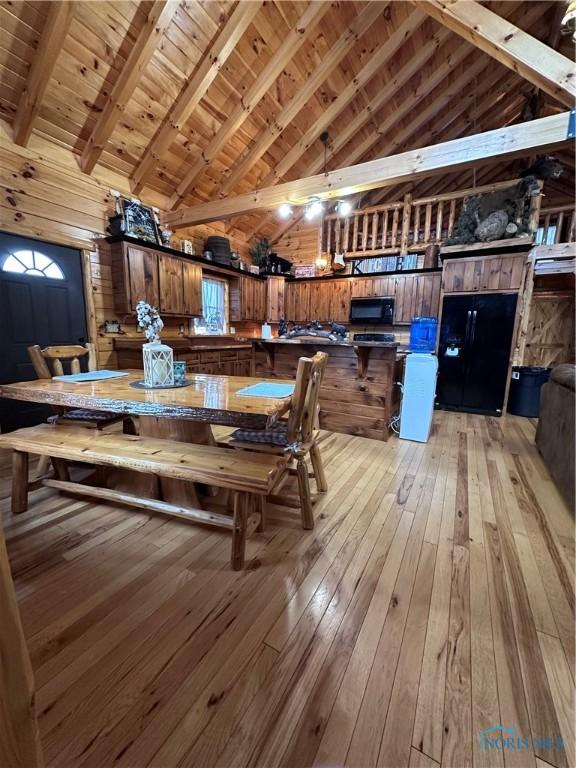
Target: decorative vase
158, 364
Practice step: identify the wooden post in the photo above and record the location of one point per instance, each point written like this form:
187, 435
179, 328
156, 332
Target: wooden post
406, 213
241, 503
525, 300
19, 482
19, 738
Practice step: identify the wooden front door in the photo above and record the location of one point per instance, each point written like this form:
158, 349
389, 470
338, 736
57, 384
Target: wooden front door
41, 302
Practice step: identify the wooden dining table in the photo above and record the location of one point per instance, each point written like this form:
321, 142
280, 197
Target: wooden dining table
180, 413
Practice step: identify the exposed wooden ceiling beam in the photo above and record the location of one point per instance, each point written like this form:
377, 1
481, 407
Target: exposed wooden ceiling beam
195, 89
364, 116
331, 113
536, 62
51, 41
448, 124
543, 134
383, 126
268, 136
451, 128
293, 41
159, 15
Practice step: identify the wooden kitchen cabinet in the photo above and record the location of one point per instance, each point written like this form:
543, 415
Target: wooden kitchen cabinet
339, 294
368, 287
248, 299
322, 300
141, 278
192, 288
275, 308
170, 279
297, 301
416, 296
180, 286
172, 284
484, 273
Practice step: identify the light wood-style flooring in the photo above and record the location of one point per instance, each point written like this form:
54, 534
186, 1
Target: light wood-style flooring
433, 601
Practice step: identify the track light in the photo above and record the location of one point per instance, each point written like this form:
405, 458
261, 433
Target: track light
285, 211
344, 207
313, 208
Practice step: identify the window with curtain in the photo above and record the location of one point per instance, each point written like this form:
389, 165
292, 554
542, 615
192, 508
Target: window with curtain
214, 307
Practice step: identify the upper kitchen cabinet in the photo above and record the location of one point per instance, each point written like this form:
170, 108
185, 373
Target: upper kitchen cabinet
275, 299
297, 301
139, 273
484, 273
192, 286
134, 277
248, 299
180, 286
323, 300
170, 280
416, 296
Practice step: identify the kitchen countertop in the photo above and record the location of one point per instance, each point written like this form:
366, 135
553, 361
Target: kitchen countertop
179, 344
319, 340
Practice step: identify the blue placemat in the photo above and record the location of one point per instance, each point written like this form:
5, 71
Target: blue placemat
267, 389
78, 378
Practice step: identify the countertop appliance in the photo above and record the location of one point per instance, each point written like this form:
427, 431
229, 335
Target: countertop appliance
474, 352
374, 337
417, 406
375, 310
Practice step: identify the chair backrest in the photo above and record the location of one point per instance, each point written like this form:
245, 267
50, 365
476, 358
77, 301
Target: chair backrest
303, 418
49, 361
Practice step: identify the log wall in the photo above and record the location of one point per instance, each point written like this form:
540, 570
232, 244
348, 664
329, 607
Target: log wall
46, 196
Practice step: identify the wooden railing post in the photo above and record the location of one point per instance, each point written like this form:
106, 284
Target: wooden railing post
406, 215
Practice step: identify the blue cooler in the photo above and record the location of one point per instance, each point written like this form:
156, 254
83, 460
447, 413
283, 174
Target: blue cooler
423, 332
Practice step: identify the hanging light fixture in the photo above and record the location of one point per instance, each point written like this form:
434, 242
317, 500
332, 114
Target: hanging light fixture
285, 211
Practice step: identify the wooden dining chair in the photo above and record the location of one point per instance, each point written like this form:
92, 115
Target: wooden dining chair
57, 361
297, 436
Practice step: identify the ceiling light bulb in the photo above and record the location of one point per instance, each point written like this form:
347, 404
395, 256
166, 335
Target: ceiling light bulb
344, 207
313, 209
285, 211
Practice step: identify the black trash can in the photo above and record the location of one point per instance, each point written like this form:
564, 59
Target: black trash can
524, 395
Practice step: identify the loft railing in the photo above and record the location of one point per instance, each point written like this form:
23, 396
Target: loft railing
402, 227
556, 225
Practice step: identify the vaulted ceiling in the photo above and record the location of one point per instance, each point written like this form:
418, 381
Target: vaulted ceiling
199, 100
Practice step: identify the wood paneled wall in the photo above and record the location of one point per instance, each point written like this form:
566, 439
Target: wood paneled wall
47, 197
300, 244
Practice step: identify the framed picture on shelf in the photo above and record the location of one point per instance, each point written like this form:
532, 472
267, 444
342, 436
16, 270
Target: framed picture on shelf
140, 221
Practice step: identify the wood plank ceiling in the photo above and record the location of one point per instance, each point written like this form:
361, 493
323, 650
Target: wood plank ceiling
199, 100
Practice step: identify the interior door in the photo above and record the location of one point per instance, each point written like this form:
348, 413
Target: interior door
490, 340
41, 302
453, 350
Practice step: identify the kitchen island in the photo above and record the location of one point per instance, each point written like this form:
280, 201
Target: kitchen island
358, 394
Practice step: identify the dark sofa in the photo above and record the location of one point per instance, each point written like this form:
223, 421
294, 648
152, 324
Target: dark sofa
555, 432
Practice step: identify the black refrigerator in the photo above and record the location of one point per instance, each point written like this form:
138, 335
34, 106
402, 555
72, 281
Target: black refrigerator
474, 352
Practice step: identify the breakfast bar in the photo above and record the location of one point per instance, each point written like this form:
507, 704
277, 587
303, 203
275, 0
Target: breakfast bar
358, 394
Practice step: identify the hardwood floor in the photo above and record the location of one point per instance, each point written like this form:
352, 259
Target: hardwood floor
433, 601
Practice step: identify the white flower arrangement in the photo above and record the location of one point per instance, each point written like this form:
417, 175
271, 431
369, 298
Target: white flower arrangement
149, 321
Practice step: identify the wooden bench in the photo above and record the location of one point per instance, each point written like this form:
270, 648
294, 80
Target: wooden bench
248, 475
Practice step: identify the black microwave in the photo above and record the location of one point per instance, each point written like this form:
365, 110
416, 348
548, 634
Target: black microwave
375, 310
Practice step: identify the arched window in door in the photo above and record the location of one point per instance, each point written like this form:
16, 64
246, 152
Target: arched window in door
32, 263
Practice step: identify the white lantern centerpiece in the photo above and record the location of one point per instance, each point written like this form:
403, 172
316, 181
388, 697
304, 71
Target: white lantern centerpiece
158, 358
